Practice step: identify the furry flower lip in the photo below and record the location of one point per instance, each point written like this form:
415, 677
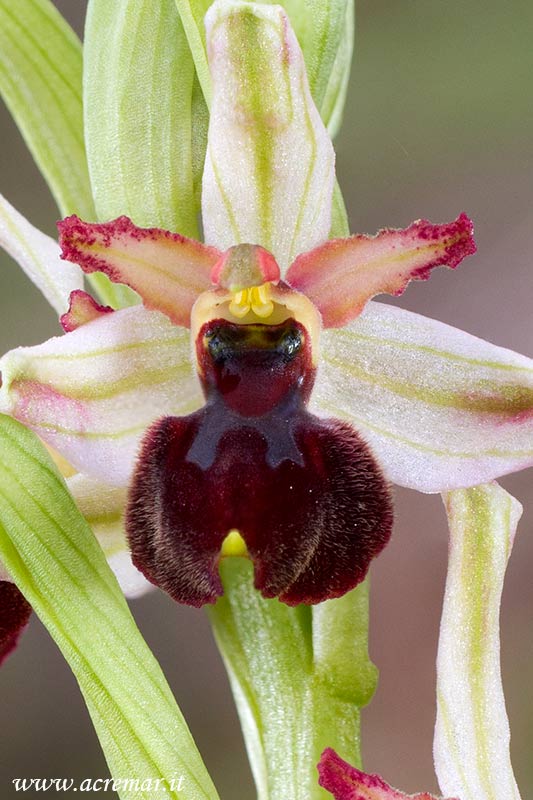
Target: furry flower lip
304, 493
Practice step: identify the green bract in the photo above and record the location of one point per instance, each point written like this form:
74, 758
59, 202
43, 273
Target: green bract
138, 90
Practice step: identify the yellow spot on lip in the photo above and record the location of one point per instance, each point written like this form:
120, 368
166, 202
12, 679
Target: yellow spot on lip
233, 545
256, 299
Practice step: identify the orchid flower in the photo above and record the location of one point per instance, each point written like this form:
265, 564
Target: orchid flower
414, 401
259, 403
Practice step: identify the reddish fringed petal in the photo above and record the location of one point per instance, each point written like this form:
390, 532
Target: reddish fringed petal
14, 615
82, 309
169, 271
341, 275
349, 783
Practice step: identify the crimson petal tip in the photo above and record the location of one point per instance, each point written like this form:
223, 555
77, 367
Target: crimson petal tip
345, 782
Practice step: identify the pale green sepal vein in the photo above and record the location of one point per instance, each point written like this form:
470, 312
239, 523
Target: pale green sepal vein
57, 563
290, 710
261, 99
440, 408
472, 735
40, 81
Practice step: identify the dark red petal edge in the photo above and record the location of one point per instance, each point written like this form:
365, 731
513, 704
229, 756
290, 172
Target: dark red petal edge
75, 234
461, 230
339, 777
14, 616
82, 309
345, 782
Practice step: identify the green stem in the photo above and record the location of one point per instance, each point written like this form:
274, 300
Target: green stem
299, 676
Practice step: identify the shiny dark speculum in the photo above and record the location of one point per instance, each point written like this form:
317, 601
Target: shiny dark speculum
224, 340
305, 493
252, 368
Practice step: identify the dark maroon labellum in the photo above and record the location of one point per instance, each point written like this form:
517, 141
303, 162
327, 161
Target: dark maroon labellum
14, 615
304, 493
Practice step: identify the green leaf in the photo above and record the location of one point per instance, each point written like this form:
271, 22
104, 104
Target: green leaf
56, 562
192, 13
289, 707
340, 227
200, 117
138, 96
335, 96
40, 81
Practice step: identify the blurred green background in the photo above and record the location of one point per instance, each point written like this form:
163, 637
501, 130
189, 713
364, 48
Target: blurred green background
439, 120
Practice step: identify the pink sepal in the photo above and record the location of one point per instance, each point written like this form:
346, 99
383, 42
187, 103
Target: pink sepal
349, 783
82, 309
341, 275
167, 270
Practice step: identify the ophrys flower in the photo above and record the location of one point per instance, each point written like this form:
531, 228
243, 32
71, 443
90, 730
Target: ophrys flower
439, 408
305, 493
